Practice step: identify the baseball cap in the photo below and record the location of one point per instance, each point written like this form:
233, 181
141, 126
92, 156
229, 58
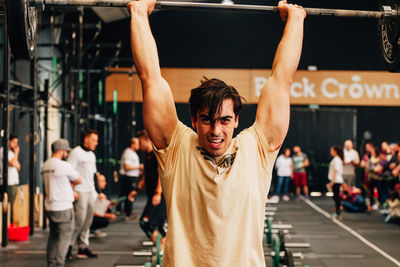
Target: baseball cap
60, 144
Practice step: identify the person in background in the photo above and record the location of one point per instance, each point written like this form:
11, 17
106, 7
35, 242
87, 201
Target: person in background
394, 205
373, 177
130, 172
352, 199
300, 162
58, 178
83, 159
284, 168
363, 164
386, 149
101, 220
14, 166
335, 176
153, 219
351, 161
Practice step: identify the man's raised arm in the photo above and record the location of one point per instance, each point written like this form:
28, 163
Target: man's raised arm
273, 109
159, 112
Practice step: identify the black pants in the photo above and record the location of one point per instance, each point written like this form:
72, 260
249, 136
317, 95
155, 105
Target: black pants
372, 184
336, 197
99, 222
129, 184
153, 217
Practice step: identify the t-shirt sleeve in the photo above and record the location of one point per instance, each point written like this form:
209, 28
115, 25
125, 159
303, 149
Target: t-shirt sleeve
267, 155
71, 173
167, 157
73, 159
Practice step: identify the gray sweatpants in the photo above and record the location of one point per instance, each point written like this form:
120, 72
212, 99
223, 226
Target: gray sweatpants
83, 208
61, 226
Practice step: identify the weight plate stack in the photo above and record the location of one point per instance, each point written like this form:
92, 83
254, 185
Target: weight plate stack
389, 34
22, 22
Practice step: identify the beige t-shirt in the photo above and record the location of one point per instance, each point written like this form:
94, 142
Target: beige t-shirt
215, 211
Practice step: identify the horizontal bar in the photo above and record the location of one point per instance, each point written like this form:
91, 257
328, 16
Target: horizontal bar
164, 5
23, 85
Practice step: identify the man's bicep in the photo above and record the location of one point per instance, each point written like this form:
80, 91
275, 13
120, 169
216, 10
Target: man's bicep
159, 112
273, 111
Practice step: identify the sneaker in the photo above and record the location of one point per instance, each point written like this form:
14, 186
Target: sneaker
69, 254
275, 198
99, 234
85, 253
388, 218
286, 198
130, 218
336, 216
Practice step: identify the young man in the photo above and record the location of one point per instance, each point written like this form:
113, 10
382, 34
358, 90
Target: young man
13, 169
300, 162
58, 175
152, 220
83, 159
215, 187
351, 160
130, 173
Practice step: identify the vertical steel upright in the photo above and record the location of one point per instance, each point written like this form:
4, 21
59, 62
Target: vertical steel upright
32, 150
5, 126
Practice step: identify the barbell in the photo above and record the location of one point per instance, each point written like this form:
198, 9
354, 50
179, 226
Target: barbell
22, 20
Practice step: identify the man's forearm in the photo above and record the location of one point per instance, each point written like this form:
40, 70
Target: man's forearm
144, 49
288, 53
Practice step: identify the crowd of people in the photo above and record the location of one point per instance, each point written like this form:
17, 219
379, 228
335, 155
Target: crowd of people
379, 188
76, 205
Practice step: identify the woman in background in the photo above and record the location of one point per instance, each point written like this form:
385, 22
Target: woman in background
335, 177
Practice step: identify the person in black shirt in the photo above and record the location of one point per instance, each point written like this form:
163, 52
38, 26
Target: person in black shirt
153, 219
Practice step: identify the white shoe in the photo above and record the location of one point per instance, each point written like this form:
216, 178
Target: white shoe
99, 234
275, 198
285, 198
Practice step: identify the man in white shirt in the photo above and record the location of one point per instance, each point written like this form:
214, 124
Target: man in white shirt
351, 160
83, 159
13, 168
130, 173
58, 177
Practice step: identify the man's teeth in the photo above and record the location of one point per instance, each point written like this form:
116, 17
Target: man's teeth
216, 141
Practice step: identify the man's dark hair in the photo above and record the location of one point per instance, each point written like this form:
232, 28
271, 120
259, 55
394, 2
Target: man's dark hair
89, 132
143, 133
12, 136
210, 94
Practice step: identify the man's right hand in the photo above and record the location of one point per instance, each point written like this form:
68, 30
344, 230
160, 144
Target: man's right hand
146, 4
132, 195
286, 10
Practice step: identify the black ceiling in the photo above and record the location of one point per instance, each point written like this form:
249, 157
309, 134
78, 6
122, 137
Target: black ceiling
227, 40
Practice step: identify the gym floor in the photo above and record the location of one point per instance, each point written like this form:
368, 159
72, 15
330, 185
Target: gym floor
333, 243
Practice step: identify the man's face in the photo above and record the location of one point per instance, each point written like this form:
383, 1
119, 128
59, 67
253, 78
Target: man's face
65, 154
91, 141
296, 150
144, 144
348, 145
102, 182
215, 137
13, 143
135, 143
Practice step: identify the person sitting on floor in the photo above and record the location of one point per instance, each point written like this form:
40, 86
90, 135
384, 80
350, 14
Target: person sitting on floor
394, 204
101, 221
352, 199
